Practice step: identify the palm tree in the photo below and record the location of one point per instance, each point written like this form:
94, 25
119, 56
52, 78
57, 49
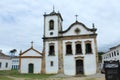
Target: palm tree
12, 52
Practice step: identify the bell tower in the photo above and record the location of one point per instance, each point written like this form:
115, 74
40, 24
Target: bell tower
52, 24
52, 44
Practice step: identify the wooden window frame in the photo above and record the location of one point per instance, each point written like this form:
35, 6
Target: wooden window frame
78, 43
51, 53
68, 43
91, 51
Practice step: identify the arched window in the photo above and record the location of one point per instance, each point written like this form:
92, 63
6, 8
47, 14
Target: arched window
51, 24
78, 49
51, 50
88, 48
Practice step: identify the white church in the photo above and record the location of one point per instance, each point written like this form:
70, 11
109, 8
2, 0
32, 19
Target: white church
72, 51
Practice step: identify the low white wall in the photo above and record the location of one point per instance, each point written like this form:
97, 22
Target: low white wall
3, 64
25, 63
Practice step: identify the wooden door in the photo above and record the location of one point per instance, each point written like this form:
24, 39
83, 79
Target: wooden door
31, 68
79, 67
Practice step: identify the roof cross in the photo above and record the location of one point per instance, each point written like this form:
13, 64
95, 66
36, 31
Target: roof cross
32, 44
76, 16
53, 8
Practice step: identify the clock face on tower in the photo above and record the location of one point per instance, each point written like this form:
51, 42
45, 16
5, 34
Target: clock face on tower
77, 30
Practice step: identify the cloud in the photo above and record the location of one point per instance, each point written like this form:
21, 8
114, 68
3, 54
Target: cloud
21, 21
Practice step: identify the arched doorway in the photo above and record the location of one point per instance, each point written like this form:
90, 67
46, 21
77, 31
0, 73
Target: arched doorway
31, 68
79, 67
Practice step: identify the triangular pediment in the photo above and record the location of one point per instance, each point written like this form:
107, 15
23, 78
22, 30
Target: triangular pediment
31, 52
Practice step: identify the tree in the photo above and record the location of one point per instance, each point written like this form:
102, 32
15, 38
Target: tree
100, 56
12, 52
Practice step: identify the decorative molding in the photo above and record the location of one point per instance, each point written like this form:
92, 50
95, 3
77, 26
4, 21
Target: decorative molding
54, 13
70, 37
78, 42
21, 53
68, 43
79, 58
77, 30
79, 23
30, 57
88, 41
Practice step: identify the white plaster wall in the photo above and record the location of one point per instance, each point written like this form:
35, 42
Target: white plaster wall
89, 64
83, 31
26, 61
117, 57
60, 24
51, 69
31, 53
70, 62
15, 63
47, 31
69, 65
3, 66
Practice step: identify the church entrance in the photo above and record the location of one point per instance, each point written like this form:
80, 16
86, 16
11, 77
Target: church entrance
79, 67
30, 68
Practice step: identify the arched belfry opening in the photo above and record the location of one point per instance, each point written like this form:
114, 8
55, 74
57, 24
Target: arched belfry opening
51, 25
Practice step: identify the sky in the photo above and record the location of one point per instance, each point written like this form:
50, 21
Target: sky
21, 21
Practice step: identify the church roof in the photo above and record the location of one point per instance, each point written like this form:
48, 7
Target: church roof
21, 53
114, 47
15, 57
3, 56
76, 22
54, 13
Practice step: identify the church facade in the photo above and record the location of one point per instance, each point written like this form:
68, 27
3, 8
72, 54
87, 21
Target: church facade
30, 61
72, 51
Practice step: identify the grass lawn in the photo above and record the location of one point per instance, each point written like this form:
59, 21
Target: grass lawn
7, 75
4, 78
16, 74
32, 76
